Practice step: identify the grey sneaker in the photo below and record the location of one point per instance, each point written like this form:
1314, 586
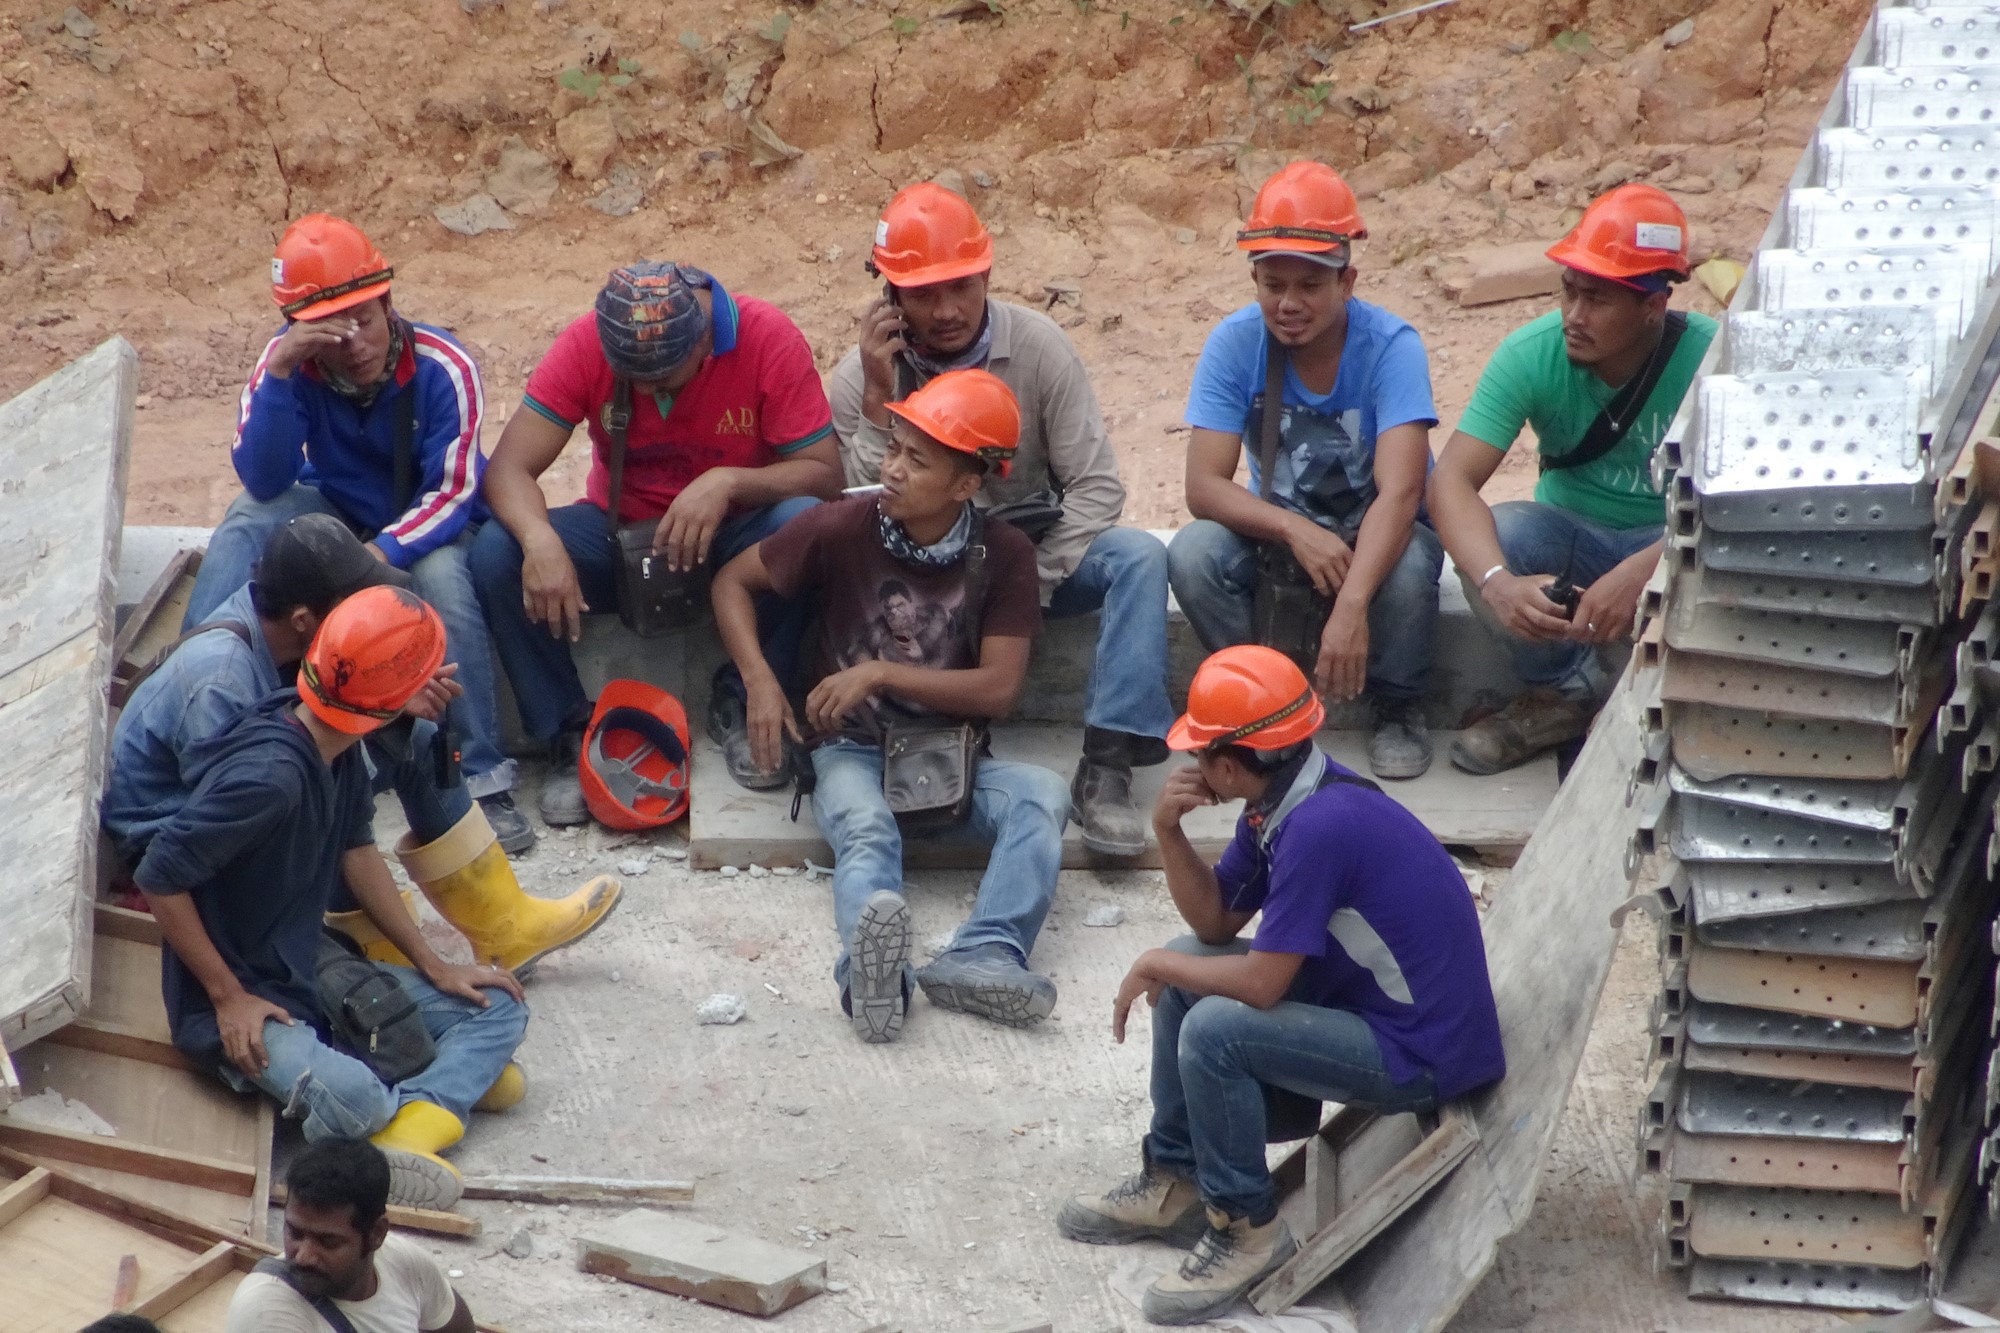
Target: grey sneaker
1155, 1204
1401, 744
988, 981
510, 826
1230, 1258
1537, 719
729, 727
562, 793
877, 957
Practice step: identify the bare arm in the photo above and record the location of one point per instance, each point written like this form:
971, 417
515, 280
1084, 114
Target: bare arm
239, 1015
461, 1320
813, 470
985, 691
1213, 493
768, 713
367, 876
513, 491
1465, 525
1190, 879
1402, 455
1259, 980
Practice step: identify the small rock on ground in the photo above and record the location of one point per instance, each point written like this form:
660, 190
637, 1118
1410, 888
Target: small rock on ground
720, 1010
1105, 914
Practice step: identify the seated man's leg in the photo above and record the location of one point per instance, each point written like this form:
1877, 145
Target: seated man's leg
332, 1095
1402, 635
1214, 576
554, 708
1126, 711
238, 542
873, 970
781, 626
1021, 809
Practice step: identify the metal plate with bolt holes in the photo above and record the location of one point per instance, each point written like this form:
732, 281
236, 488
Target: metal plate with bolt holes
1885, 1072
1784, 430
1721, 891
1733, 1025
1713, 1103
1713, 742
1937, 35
1923, 98
1913, 339
1742, 1159
1898, 558
1820, 217
1704, 830
1760, 686
1877, 602
1812, 1226
1853, 648
1810, 510
1905, 159
1867, 805
1893, 931
1903, 275
1859, 990
1820, 1286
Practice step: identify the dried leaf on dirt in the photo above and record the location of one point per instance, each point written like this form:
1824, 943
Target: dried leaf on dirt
765, 145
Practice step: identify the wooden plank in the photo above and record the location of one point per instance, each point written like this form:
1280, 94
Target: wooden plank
137, 1159
431, 1220
693, 1259
576, 1189
182, 1286
10, 1082
87, 1034
23, 1194
154, 622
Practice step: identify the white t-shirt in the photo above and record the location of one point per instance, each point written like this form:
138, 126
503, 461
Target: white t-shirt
412, 1294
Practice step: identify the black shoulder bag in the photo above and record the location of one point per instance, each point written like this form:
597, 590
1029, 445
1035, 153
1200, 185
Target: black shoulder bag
1620, 414
370, 1013
652, 599
323, 1306
928, 771
1286, 611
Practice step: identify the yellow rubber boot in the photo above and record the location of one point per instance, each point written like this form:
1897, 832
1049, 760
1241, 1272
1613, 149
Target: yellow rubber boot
358, 927
506, 1092
412, 1140
468, 879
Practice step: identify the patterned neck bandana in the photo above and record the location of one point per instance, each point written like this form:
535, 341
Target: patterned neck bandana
363, 394
972, 357
948, 551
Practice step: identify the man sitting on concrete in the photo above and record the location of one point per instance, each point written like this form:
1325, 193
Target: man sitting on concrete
1334, 517
240, 877
250, 648
340, 1254
728, 437
935, 316
356, 412
1365, 984
1600, 381
921, 541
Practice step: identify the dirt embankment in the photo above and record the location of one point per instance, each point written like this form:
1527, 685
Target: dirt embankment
156, 148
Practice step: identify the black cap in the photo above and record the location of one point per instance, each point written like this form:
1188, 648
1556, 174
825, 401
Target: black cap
313, 560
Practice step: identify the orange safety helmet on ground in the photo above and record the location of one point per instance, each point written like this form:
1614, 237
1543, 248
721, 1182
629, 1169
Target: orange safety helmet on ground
372, 653
1306, 209
1251, 696
929, 234
972, 411
324, 265
1635, 231
634, 762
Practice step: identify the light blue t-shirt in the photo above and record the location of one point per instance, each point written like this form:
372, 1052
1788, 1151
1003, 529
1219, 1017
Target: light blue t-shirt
1326, 455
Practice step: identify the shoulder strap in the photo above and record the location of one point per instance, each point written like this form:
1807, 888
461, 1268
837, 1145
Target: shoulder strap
1276, 358
406, 448
322, 1306
1333, 779
617, 424
120, 694
906, 376
975, 584
1622, 412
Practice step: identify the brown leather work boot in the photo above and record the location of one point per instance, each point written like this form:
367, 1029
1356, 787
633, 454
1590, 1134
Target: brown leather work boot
1155, 1204
1537, 719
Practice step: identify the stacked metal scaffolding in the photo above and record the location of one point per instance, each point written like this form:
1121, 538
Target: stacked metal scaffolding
1820, 773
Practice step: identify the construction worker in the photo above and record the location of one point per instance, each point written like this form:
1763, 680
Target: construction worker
927, 611
1599, 381
935, 315
1365, 983
241, 875
341, 1255
250, 647
728, 437
355, 411
1338, 526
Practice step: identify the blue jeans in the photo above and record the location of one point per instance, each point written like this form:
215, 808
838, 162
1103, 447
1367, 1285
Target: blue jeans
1214, 1060
1125, 573
1214, 573
1539, 538
1020, 809
337, 1096
441, 578
539, 665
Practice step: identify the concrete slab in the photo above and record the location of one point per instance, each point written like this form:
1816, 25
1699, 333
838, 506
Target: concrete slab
731, 826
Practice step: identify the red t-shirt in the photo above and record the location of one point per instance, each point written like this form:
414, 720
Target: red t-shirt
758, 398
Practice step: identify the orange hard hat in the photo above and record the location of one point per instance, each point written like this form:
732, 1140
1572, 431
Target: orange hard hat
373, 652
1306, 209
928, 234
1247, 695
634, 762
324, 265
972, 411
1632, 232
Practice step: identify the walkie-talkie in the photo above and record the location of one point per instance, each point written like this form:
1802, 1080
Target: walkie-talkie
1564, 592
444, 757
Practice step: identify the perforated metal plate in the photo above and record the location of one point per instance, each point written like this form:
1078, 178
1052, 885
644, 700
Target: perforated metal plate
1946, 275
1926, 98
1859, 990
1884, 1072
1896, 159
1875, 602
1887, 930
1733, 1025
1866, 805
1711, 742
1729, 891
1902, 558
1743, 1159
1713, 1103
1936, 35
1843, 218
1704, 830
1819, 509
1815, 1226
1761, 685
1782, 430
1854, 648
1821, 1286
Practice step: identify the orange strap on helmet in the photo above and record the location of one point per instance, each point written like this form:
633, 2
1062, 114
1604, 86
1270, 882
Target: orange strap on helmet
325, 265
372, 653
1634, 231
634, 763
972, 411
1247, 695
928, 234
1306, 208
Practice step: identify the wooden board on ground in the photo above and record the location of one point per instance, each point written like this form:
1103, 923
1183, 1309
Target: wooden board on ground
730, 825
63, 450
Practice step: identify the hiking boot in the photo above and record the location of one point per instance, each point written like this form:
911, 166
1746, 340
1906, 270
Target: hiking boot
1100, 795
877, 956
1536, 720
1155, 1204
729, 727
989, 981
1401, 744
562, 793
510, 826
1230, 1258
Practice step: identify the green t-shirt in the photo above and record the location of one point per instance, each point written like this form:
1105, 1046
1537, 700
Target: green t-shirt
1531, 382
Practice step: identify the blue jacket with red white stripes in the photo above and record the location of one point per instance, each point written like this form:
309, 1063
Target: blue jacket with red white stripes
299, 430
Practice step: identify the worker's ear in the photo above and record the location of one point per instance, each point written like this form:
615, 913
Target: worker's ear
304, 622
376, 1235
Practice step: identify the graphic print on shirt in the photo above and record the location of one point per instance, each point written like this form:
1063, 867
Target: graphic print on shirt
1323, 470
909, 628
